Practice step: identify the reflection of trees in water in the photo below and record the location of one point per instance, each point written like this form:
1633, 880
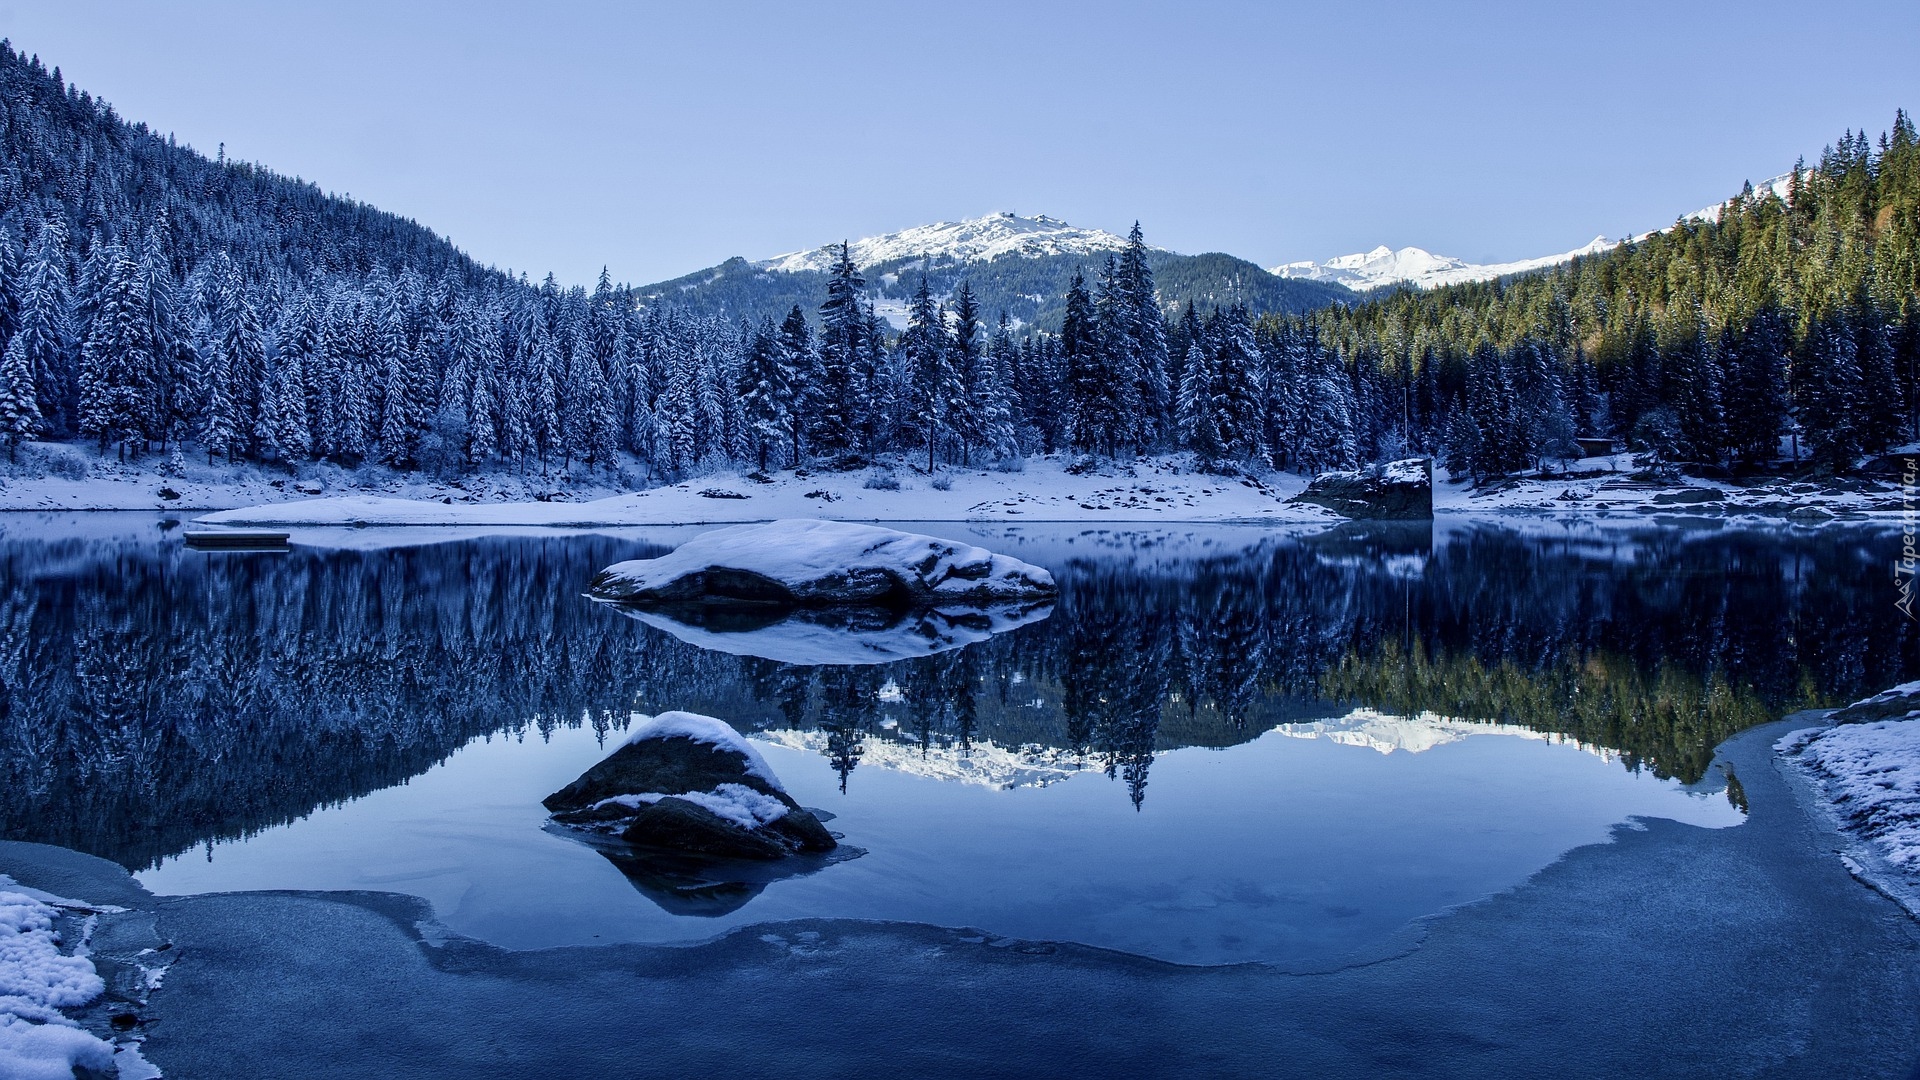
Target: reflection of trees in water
157, 699
1667, 719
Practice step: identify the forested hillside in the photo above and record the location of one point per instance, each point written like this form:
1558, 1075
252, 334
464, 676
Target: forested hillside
1794, 316
155, 303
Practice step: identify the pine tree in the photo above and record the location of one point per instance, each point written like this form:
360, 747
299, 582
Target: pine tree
766, 394
966, 405
235, 353
844, 343
933, 384
997, 403
1756, 377
41, 337
1091, 418
19, 408
1696, 381
116, 362
796, 358
1147, 332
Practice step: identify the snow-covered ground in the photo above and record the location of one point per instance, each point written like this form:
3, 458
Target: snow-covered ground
1867, 775
54, 476
1163, 488
37, 980
1607, 484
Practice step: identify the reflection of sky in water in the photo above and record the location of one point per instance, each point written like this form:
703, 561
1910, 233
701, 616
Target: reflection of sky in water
1295, 850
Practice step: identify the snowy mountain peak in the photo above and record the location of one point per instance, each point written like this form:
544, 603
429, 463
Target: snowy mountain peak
1421, 268
974, 240
1425, 270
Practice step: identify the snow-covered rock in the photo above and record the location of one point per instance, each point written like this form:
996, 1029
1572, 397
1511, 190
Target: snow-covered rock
808, 563
690, 784
816, 636
974, 240
1900, 703
37, 980
1395, 490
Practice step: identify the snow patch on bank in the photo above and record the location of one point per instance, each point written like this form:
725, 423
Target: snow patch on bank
1869, 775
37, 980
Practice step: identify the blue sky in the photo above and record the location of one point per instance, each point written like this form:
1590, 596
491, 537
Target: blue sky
657, 139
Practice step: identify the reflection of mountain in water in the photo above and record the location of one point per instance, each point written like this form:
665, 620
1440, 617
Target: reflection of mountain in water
156, 699
1388, 733
982, 763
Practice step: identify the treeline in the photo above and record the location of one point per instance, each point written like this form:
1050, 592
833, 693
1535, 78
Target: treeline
1792, 316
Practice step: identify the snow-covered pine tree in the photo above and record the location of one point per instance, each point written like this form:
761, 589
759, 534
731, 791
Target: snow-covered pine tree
998, 407
796, 359
1147, 330
1237, 394
680, 410
766, 394
116, 361
19, 409
932, 384
236, 354
1197, 411
844, 345
966, 405
41, 333
1090, 415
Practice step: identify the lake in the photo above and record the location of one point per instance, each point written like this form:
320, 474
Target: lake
1223, 744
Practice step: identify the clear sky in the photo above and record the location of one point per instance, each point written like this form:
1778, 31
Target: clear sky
657, 139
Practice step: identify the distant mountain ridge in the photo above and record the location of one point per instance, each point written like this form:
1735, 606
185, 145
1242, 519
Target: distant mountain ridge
980, 239
1013, 264
1422, 269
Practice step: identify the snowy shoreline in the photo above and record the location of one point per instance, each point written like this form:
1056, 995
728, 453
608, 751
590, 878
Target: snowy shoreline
1054, 488
1861, 770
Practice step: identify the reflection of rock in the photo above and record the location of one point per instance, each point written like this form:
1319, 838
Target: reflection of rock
709, 888
823, 563
690, 784
1396, 490
839, 635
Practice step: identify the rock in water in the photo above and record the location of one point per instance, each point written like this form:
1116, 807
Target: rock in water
822, 564
689, 783
1397, 490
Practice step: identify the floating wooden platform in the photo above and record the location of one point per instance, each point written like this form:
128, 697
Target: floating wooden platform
236, 540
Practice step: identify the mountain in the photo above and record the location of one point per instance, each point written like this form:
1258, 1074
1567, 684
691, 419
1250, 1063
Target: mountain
1019, 265
1421, 268
978, 239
